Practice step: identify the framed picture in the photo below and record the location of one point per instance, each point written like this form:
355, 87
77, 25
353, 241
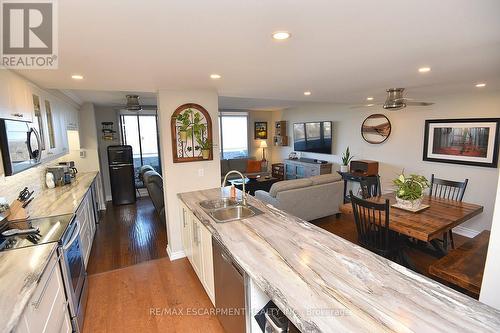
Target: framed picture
260, 130
462, 141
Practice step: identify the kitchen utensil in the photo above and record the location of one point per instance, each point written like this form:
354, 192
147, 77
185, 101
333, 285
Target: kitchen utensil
25, 204
23, 194
16, 232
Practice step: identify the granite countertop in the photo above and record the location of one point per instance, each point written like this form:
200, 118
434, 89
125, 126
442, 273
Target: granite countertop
325, 283
21, 269
62, 199
20, 273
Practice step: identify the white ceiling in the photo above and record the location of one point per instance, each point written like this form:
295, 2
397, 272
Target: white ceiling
342, 51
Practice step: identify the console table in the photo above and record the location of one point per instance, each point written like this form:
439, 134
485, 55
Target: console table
352, 177
305, 168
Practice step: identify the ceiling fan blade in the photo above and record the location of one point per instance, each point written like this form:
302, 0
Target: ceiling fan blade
362, 106
409, 103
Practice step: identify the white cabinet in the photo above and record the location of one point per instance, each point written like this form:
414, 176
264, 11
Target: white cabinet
15, 94
207, 262
197, 243
86, 219
47, 310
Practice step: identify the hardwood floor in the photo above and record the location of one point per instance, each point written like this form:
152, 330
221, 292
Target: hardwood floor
138, 299
345, 227
127, 235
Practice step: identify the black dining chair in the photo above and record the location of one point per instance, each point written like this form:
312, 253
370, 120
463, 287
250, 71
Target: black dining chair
372, 225
451, 190
370, 187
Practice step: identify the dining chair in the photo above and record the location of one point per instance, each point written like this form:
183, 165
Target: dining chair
370, 187
372, 225
451, 190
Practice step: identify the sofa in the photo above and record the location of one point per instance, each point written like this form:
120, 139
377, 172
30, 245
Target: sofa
307, 198
154, 184
240, 164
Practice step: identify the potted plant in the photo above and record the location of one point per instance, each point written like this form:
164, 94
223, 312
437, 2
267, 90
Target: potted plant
185, 119
410, 190
346, 159
205, 146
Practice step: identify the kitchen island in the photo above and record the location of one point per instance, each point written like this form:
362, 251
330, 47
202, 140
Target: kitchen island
327, 284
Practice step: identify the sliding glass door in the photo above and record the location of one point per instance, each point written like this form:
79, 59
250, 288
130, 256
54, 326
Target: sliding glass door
141, 132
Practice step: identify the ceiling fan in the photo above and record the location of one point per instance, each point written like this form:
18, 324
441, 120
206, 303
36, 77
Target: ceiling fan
395, 101
133, 104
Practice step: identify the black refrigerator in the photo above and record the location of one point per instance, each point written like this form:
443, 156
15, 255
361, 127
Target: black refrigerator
121, 174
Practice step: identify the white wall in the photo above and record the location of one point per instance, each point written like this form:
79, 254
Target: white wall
254, 148
106, 114
490, 288
404, 148
184, 177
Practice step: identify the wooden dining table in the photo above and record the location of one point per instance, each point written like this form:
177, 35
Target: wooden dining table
429, 224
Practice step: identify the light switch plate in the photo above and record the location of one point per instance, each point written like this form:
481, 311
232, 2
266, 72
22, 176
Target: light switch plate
201, 172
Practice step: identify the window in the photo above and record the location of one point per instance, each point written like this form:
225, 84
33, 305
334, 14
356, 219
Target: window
233, 135
140, 132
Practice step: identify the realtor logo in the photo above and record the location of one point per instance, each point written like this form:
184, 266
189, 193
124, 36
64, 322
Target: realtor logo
29, 34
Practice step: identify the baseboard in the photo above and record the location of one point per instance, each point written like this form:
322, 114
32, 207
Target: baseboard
467, 232
175, 255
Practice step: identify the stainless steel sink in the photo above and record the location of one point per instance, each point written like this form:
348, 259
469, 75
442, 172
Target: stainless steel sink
234, 213
218, 203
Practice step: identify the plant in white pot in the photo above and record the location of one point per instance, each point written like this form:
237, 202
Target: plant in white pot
346, 159
410, 190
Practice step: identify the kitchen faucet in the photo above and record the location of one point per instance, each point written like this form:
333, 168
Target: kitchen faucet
244, 194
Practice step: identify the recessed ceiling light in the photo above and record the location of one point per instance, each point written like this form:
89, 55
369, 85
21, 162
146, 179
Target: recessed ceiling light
369, 98
480, 85
370, 104
424, 69
307, 93
215, 76
77, 77
281, 35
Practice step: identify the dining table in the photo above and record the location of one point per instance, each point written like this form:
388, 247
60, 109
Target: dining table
427, 225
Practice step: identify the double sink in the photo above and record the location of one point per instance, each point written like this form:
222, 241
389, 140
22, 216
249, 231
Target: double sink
227, 209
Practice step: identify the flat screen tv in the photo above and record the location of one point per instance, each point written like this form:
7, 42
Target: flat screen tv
313, 137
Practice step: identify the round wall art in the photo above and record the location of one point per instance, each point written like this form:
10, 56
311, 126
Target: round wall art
376, 128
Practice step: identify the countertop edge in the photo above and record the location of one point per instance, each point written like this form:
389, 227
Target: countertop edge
19, 311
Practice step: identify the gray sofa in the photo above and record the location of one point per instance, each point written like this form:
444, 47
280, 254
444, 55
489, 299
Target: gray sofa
307, 198
239, 164
154, 184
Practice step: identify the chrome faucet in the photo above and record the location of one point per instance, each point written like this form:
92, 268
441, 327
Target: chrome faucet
244, 194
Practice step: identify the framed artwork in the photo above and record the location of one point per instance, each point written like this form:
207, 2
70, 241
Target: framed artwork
376, 129
260, 130
191, 127
462, 141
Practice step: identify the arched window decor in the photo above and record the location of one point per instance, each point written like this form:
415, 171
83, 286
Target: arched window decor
191, 134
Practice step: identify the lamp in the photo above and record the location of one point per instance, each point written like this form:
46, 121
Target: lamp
263, 145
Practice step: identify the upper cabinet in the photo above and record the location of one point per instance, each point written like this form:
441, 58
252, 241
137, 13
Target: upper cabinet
15, 97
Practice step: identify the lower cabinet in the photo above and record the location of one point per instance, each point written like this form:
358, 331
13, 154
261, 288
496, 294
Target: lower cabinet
86, 217
47, 310
197, 243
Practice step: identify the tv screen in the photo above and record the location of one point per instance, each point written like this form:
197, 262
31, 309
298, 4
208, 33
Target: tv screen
313, 137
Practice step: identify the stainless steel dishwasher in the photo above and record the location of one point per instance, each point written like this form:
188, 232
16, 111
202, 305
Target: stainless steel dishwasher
229, 290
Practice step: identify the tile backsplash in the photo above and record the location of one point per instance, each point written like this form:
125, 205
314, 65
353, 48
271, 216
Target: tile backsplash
33, 178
